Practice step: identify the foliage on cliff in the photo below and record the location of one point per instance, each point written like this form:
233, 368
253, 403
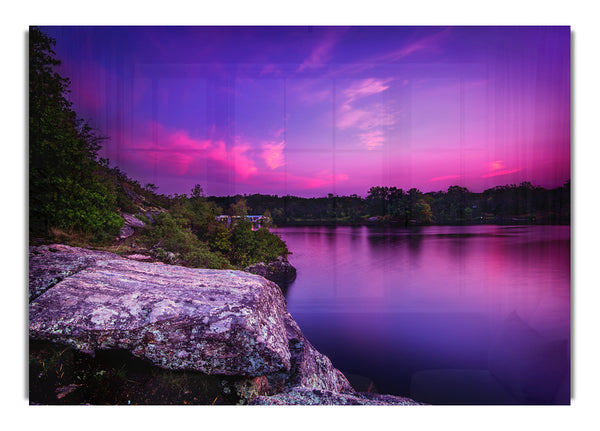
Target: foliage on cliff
190, 230
66, 187
74, 194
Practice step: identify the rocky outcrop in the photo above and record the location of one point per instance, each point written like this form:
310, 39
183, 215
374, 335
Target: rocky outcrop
216, 322
279, 271
228, 324
309, 368
306, 396
50, 264
131, 223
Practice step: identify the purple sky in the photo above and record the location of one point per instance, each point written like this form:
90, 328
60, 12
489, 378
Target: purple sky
314, 110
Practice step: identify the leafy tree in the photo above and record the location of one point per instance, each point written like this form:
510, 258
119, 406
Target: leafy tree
66, 188
172, 234
197, 192
243, 243
422, 212
240, 208
377, 200
150, 187
268, 246
219, 238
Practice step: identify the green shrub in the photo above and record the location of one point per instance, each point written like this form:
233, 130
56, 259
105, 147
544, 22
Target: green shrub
249, 247
66, 187
170, 234
204, 258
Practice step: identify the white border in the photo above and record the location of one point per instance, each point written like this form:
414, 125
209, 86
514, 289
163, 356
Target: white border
583, 20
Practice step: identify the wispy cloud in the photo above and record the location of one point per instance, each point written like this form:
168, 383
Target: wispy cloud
234, 158
446, 177
175, 152
429, 43
497, 168
372, 140
364, 88
321, 54
364, 115
273, 154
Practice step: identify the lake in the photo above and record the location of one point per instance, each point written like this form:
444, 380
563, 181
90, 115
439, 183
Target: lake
441, 314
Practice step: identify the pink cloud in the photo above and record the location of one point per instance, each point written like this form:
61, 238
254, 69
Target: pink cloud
496, 165
241, 163
447, 177
175, 152
350, 117
273, 155
234, 158
218, 151
372, 140
500, 172
368, 117
497, 168
181, 140
363, 118
322, 52
366, 87
427, 43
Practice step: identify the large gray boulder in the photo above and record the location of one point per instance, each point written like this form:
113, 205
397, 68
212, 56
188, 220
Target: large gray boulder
217, 322
307, 396
50, 264
310, 368
228, 324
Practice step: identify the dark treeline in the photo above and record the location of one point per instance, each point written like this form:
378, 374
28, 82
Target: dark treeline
509, 204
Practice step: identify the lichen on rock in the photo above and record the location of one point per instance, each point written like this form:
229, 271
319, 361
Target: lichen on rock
307, 396
228, 325
217, 322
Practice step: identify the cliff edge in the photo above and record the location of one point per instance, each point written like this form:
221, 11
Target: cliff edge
229, 325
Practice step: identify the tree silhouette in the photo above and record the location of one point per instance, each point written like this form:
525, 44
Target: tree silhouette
66, 189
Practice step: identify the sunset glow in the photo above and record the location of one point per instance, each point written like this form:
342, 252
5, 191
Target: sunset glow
309, 111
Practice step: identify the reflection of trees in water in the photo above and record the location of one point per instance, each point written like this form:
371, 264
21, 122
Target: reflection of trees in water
409, 241
356, 233
330, 235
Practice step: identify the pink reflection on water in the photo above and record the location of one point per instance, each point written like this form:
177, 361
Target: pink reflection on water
484, 298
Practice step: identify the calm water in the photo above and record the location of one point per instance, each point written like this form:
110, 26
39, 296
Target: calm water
448, 315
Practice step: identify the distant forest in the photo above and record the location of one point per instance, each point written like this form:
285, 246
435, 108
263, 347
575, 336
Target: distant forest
509, 204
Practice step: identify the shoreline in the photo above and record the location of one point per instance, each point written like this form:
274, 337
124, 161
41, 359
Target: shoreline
333, 223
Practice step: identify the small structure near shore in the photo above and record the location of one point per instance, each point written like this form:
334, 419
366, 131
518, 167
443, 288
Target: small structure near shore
257, 220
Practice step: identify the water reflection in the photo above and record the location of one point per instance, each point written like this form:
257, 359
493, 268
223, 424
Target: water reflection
396, 304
